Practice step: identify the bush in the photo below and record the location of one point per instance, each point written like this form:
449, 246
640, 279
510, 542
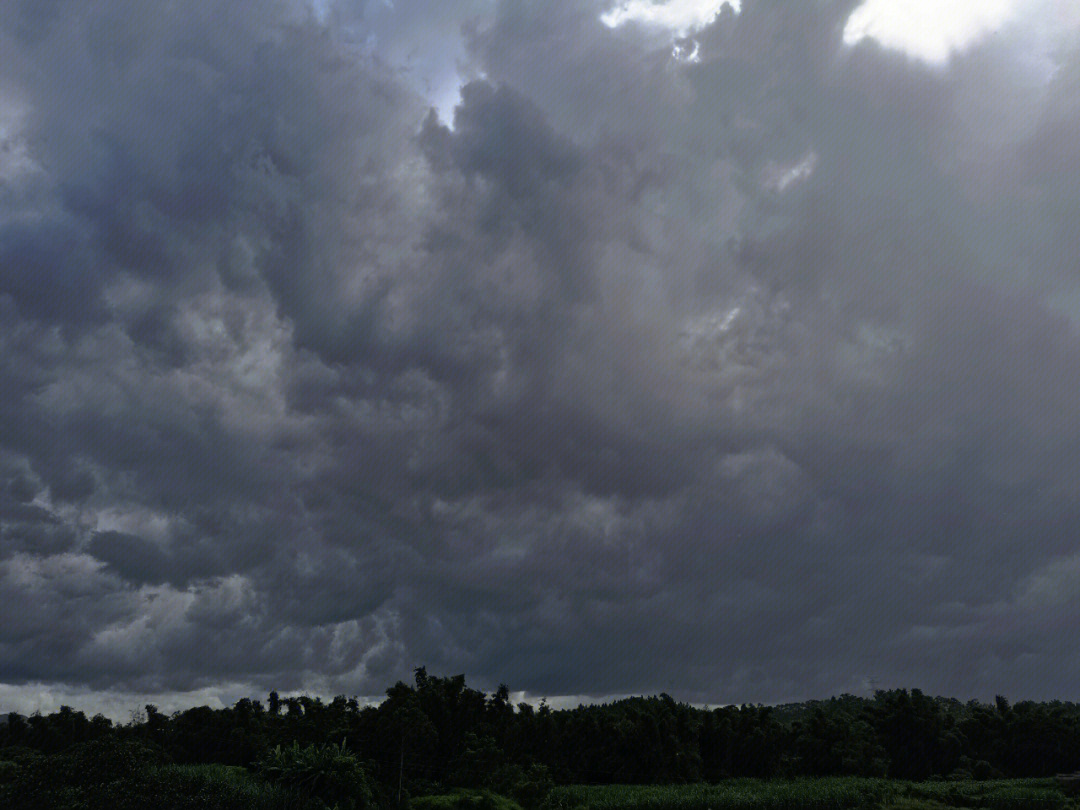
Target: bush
99, 773
533, 787
115, 775
329, 774
214, 787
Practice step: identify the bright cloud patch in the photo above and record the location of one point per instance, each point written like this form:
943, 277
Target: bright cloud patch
928, 29
780, 178
681, 16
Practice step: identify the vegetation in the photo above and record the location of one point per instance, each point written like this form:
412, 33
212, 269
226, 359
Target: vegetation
437, 744
737, 794
464, 800
825, 793
127, 775
321, 773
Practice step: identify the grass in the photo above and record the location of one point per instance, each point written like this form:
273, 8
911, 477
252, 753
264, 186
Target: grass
218, 786
998, 794
464, 800
839, 793
161, 787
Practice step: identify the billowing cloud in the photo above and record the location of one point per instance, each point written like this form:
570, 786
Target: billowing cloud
680, 16
745, 376
929, 31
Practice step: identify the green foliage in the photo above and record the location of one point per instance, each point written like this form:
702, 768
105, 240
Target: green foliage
86, 775
326, 773
831, 793
464, 800
529, 786
1001, 794
735, 794
484, 765
437, 733
128, 775
214, 787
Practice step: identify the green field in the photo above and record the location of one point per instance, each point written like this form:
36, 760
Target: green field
840, 793
113, 777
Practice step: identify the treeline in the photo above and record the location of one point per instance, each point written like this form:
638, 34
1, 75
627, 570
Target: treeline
439, 733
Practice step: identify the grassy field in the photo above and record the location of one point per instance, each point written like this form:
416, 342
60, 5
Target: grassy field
165, 787
841, 793
464, 800
62, 783
215, 786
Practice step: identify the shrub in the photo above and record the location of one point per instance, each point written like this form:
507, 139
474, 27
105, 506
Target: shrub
214, 787
99, 773
113, 775
326, 773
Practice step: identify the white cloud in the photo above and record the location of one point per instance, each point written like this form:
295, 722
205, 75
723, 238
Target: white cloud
686, 51
681, 16
928, 29
117, 705
780, 177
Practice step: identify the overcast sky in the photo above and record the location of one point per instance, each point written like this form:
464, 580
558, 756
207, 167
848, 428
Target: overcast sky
732, 352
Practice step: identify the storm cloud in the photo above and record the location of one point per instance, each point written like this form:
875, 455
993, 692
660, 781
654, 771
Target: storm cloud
737, 361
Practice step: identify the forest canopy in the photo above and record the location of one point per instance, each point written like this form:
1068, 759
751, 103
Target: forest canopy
439, 733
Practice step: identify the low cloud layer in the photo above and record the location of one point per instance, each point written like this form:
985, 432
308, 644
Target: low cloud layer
750, 376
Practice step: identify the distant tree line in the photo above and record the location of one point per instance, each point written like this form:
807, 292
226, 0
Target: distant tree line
438, 733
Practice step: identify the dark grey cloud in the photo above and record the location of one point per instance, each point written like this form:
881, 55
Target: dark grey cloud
133, 558
746, 377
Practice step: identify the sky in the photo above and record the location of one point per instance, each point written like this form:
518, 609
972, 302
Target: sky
724, 350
